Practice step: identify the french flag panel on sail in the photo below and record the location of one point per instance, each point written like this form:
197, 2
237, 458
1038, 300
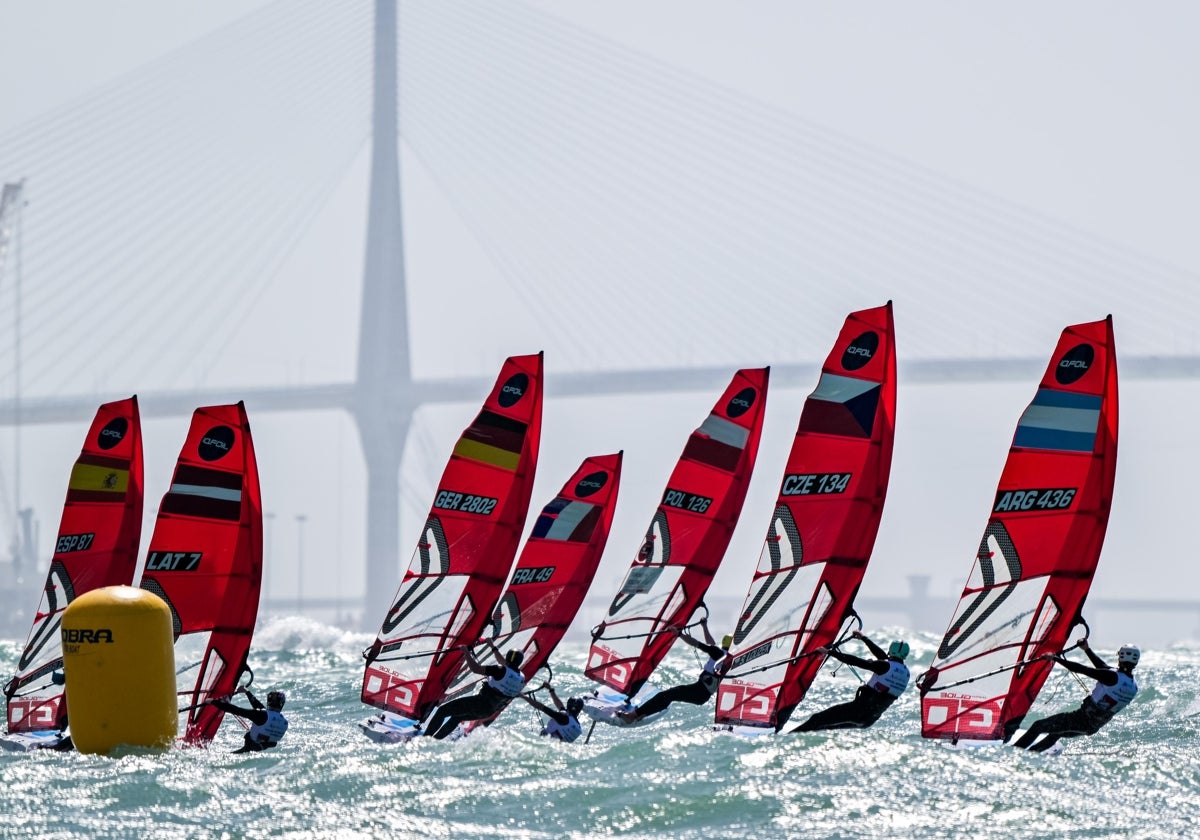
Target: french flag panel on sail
564, 519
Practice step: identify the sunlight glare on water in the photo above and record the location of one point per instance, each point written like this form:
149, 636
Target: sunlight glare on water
674, 778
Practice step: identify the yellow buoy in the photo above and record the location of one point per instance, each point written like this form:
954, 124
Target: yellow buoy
119, 663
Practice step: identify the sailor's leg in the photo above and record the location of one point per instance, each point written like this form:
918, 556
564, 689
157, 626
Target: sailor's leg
843, 716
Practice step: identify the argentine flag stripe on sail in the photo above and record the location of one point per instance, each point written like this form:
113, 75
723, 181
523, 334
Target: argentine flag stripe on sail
1060, 420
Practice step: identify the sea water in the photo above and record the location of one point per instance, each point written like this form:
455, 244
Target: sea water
677, 778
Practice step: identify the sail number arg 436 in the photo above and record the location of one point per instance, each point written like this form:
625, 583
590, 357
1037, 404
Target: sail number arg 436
1056, 499
811, 484
465, 502
686, 501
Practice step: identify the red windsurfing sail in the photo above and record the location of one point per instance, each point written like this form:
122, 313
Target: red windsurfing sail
465, 551
97, 546
554, 571
822, 530
1039, 551
205, 559
685, 541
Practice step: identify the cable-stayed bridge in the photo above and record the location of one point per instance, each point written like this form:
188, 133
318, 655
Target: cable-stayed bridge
648, 228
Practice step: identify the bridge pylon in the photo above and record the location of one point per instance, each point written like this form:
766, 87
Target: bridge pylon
383, 395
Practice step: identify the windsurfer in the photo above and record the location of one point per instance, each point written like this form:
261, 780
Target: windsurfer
504, 682
267, 722
564, 719
1115, 688
698, 692
888, 681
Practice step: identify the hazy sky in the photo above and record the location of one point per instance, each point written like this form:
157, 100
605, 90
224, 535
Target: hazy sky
1081, 111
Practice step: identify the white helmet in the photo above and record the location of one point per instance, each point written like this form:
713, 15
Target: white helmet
1128, 655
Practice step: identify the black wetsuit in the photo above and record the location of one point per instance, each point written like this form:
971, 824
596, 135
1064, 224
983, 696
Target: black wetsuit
1086, 720
487, 701
696, 693
868, 704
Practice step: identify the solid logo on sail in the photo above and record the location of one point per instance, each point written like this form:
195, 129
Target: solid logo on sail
216, 443
999, 581
741, 402
434, 553
590, 484
113, 433
512, 390
1074, 364
860, 351
59, 592
786, 551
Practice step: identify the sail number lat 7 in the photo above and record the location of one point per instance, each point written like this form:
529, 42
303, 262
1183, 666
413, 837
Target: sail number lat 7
173, 561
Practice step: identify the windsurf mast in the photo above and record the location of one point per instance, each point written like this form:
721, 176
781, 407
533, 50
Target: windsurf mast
1039, 551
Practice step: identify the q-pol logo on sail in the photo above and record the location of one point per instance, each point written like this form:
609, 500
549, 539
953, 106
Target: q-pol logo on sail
860, 351
741, 402
512, 390
113, 433
590, 484
1074, 364
216, 443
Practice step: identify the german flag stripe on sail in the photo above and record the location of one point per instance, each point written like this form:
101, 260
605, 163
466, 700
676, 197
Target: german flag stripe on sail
718, 443
841, 405
1060, 420
98, 479
201, 492
493, 439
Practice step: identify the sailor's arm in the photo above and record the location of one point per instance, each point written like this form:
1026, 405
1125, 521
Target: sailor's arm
256, 716
1104, 675
1087, 649
877, 666
871, 646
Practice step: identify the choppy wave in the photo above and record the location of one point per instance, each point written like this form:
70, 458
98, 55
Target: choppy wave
1139, 776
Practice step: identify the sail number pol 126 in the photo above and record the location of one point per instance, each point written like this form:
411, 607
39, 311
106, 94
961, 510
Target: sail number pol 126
811, 484
686, 501
1011, 500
